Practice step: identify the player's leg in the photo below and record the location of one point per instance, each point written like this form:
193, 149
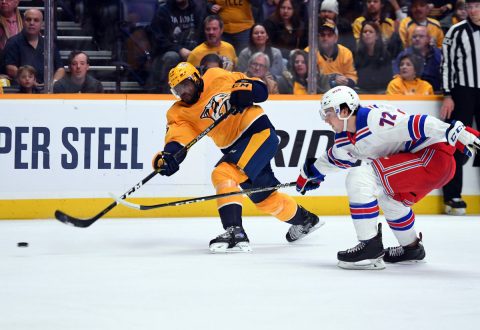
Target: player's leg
466, 103
243, 160
406, 178
362, 187
226, 178
401, 221
252, 154
282, 206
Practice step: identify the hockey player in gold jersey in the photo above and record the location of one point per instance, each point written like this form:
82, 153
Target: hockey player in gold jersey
247, 140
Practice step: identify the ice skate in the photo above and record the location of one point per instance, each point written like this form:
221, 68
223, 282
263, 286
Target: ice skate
456, 206
406, 254
365, 255
311, 223
233, 240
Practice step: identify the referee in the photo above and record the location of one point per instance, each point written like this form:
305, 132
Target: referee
461, 85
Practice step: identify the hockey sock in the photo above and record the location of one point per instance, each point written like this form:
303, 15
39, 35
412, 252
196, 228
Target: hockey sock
364, 216
403, 228
231, 215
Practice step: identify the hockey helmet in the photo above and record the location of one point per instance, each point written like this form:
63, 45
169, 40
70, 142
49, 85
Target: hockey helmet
335, 97
183, 72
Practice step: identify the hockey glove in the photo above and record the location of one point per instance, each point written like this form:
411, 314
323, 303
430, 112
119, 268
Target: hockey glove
241, 96
165, 163
309, 178
464, 138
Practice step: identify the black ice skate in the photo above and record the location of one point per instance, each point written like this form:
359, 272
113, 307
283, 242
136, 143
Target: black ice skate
366, 255
456, 206
310, 223
233, 240
411, 253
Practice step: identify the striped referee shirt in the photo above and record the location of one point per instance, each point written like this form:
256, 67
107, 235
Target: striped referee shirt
461, 56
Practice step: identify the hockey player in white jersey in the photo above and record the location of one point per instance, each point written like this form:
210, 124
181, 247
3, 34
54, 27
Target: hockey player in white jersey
403, 157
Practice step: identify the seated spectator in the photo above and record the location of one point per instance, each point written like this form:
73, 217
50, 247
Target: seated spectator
237, 18
268, 8
419, 16
77, 79
210, 61
258, 67
175, 31
374, 12
294, 80
213, 29
259, 41
334, 59
372, 60
429, 56
10, 20
407, 82
441, 10
286, 28
329, 13
26, 80
460, 12
27, 47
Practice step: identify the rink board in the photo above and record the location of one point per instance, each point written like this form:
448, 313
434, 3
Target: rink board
68, 151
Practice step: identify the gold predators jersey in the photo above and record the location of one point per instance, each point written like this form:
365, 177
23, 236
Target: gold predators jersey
185, 122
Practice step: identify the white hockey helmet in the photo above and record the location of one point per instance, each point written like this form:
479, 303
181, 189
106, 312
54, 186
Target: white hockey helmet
338, 96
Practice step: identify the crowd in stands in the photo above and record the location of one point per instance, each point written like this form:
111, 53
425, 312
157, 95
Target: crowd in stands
374, 46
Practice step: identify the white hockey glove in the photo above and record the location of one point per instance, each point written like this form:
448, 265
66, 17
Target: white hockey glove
464, 138
309, 178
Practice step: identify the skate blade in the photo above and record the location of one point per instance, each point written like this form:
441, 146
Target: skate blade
409, 262
241, 247
367, 264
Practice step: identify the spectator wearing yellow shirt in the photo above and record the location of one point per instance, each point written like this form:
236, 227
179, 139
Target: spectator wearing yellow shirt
334, 59
374, 12
237, 17
407, 82
420, 9
213, 28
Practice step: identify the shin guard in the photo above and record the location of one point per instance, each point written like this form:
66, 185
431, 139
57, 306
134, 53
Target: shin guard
280, 205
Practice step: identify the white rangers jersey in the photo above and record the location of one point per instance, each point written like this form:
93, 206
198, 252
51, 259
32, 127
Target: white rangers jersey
381, 130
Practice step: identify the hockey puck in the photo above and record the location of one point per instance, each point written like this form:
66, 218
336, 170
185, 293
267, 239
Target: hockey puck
22, 244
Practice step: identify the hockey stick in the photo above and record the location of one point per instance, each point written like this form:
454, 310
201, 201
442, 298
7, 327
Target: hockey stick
83, 223
250, 191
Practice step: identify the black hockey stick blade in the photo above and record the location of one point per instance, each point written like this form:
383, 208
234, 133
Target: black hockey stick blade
250, 191
83, 223
72, 221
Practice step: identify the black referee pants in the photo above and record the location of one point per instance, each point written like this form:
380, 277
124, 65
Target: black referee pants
467, 108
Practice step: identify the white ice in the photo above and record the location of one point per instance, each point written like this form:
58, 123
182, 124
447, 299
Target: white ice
159, 274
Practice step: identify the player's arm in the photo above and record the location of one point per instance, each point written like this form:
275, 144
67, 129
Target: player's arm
179, 133
464, 138
247, 91
165, 161
314, 170
398, 126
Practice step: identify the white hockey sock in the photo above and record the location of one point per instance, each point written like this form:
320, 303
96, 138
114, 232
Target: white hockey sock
403, 228
364, 217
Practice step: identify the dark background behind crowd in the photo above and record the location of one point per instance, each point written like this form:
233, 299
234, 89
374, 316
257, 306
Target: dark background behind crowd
374, 46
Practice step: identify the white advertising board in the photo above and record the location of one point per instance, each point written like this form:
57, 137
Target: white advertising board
80, 148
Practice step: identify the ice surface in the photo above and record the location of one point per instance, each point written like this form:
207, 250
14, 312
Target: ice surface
159, 274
